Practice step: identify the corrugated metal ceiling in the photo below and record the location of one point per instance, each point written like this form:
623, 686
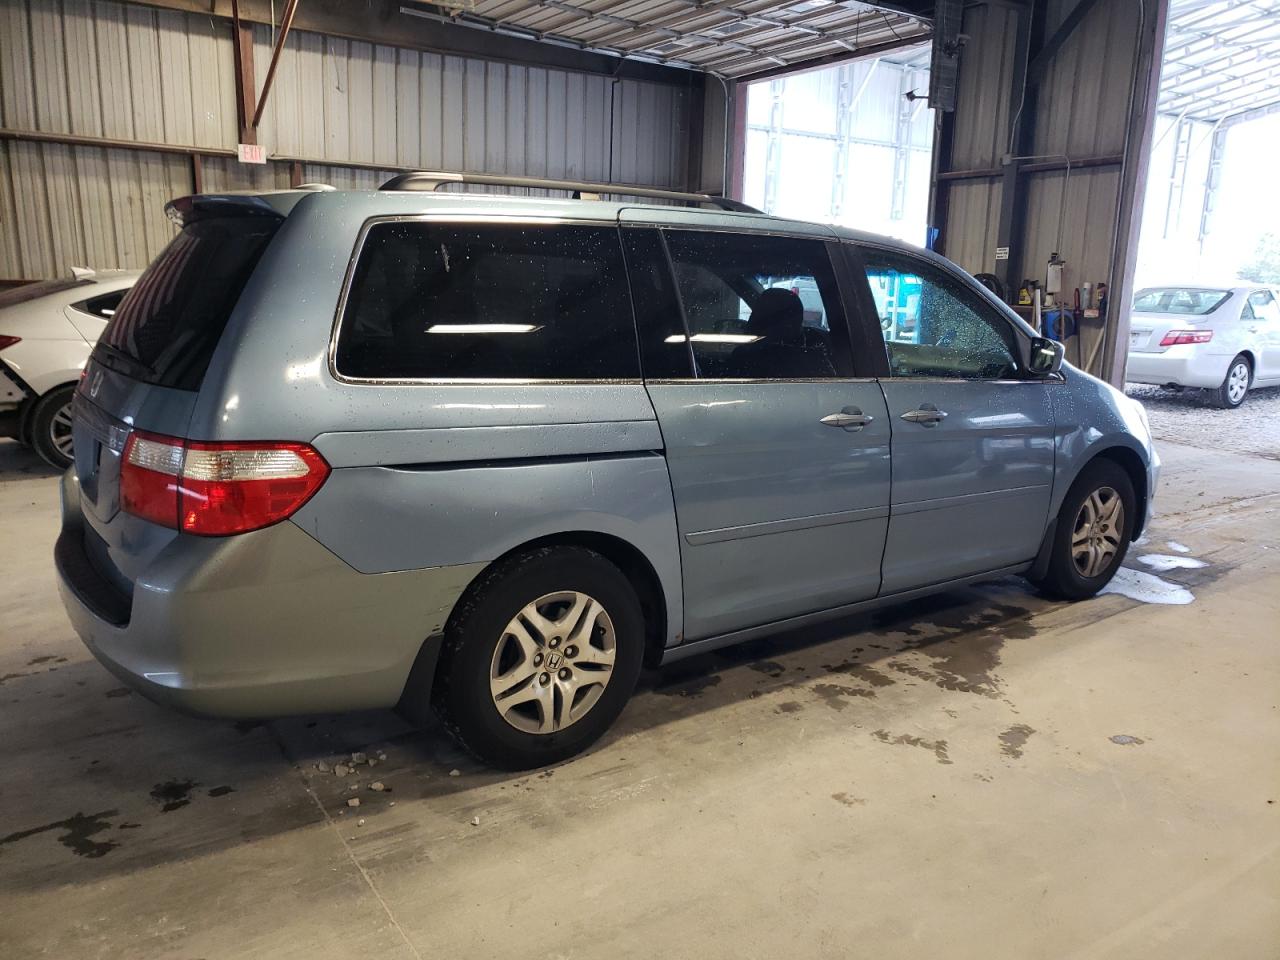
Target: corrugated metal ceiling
1221, 59
730, 38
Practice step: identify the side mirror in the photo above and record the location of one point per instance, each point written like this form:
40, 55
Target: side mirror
1046, 355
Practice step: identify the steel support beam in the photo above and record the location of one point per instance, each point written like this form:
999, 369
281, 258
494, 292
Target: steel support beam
286, 22
1139, 132
246, 96
1011, 226
830, 60
381, 21
1040, 63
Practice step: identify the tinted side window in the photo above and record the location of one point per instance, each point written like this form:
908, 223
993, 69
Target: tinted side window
103, 306
664, 349
760, 307
488, 301
933, 326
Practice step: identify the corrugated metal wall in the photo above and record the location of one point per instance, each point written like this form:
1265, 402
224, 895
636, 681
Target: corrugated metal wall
120, 71
1081, 112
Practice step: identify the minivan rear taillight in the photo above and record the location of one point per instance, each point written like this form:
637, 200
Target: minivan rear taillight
214, 489
1176, 338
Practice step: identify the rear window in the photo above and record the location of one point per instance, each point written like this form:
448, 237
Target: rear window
165, 329
41, 288
480, 301
1192, 301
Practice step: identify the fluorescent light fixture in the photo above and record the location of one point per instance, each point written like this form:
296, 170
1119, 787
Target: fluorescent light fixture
482, 328
713, 338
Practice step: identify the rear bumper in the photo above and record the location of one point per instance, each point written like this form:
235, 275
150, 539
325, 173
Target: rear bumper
1184, 366
260, 625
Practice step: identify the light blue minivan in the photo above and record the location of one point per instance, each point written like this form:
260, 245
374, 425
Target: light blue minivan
489, 454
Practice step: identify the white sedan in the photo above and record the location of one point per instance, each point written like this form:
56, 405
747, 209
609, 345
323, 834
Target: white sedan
1225, 339
47, 331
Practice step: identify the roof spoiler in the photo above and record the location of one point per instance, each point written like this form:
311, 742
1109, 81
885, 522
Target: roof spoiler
431, 180
271, 204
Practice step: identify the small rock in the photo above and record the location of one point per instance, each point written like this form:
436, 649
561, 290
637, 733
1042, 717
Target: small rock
475, 821
353, 802
360, 822
340, 770
393, 803
455, 772
381, 755
353, 784
377, 786
358, 758
373, 762
323, 767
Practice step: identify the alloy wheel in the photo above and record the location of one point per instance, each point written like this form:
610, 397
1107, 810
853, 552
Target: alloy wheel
60, 431
1095, 537
1238, 382
552, 662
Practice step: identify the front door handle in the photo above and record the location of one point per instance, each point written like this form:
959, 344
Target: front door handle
927, 416
851, 419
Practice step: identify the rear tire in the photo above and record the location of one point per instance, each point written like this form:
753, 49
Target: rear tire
1235, 385
1093, 531
539, 657
51, 427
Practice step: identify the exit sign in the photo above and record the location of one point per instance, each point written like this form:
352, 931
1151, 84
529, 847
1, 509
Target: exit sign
251, 153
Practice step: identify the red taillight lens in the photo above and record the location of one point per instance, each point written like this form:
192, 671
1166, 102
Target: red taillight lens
216, 489
1175, 337
149, 475
6, 341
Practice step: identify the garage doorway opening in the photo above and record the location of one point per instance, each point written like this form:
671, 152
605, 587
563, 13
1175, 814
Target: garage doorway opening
849, 145
1210, 215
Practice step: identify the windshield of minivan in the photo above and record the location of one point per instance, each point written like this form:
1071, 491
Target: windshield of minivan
1192, 301
165, 330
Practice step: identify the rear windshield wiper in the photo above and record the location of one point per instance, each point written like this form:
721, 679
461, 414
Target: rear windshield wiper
129, 360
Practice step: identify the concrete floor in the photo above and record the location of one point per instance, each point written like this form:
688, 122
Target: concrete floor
981, 775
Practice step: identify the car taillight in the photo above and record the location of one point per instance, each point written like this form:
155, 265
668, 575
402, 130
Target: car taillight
215, 489
8, 341
1175, 337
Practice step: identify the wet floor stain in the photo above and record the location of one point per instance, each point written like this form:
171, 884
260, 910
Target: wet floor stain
836, 695
688, 686
118, 692
173, 794
248, 726
13, 676
791, 706
768, 667
1014, 739
937, 747
848, 801
78, 836
860, 671
1127, 741
47, 658
221, 791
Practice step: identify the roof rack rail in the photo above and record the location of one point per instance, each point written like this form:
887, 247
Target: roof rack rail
430, 180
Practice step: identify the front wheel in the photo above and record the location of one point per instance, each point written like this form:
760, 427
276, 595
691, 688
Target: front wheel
540, 657
1235, 385
1094, 527
51, 427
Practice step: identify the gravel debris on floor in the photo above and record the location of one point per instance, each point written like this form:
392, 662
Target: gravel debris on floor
1189, 416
